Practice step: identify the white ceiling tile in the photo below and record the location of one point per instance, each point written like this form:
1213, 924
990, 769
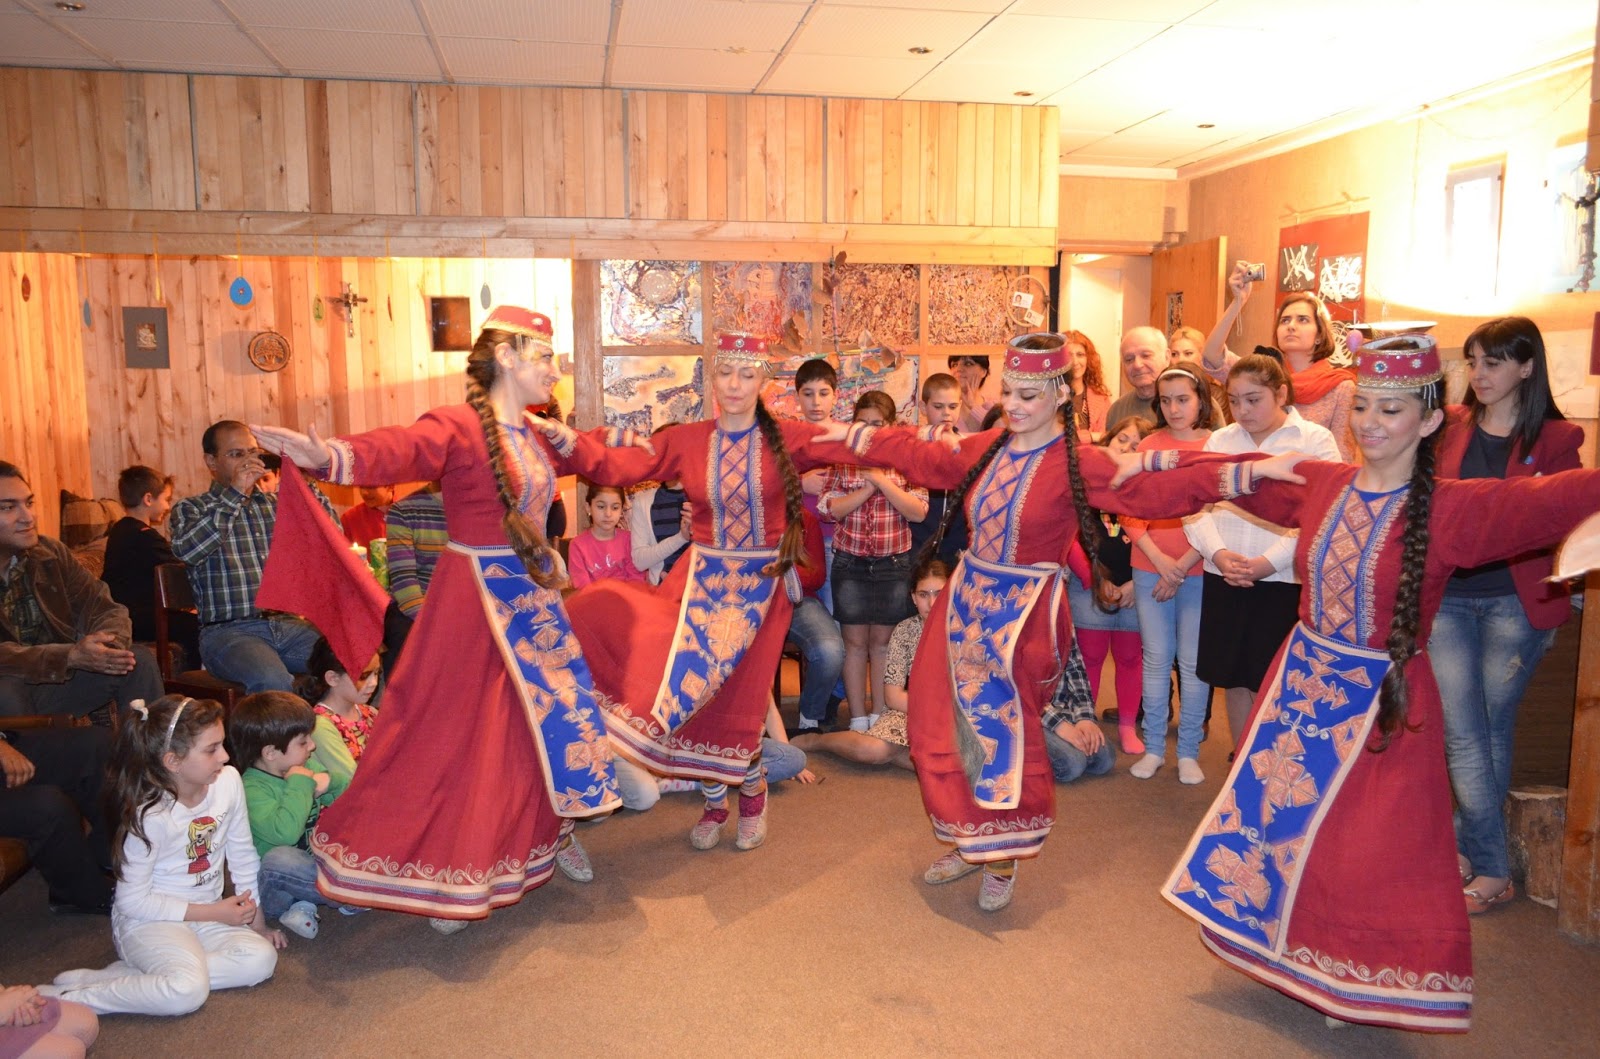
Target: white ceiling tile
1163, 11
364, 56
687, 68
846, 75
1077, 43
368, 16
1074, 139
887, 33
571, 21
495, 61
988, 83
712, 24
991, 7
155, 10
170, 45
25, 40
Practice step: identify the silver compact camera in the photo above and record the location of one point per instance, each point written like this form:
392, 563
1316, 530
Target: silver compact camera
1255, 273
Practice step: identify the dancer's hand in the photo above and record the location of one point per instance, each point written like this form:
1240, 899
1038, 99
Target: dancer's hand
1128, 465
306, 450
834, 431
1280, 468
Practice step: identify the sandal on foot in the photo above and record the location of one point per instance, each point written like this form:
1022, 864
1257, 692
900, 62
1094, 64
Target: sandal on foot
708, 832
948, 868
573, 860
1478, 903
752, 821
995, 893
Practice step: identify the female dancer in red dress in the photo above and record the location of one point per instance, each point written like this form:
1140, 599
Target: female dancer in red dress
1326, 868
490, 741
993, 645
687, 665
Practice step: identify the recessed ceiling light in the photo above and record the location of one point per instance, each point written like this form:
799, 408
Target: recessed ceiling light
919, 50
1022, 95
70, 8
1205, 125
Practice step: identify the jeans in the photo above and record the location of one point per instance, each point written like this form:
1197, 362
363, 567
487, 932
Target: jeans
260, 653
814, 631
1068, 762
1086, 615
1483, 652
1171, 630
781, 760
288, 874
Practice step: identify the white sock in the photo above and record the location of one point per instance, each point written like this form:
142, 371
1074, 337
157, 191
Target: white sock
1189, 771
1146, 766
806, 724
859, 724
90, 975
872, 718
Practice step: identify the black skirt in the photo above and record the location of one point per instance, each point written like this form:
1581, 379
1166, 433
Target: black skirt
1241, 630
871, 591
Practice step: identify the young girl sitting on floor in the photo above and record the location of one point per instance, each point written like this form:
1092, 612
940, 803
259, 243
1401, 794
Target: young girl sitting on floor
604, 549
345, 714
885, 742
180, 816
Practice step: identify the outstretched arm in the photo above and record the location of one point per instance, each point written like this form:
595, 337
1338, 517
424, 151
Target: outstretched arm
1483, 520
935, 463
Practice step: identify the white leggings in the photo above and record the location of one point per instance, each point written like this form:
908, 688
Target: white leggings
170, 968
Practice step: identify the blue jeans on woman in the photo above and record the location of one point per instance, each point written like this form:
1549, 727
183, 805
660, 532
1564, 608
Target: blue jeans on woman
1169, 630
1483, 652
263, 653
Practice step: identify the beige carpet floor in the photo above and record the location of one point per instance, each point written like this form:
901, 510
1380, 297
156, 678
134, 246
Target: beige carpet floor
823, 942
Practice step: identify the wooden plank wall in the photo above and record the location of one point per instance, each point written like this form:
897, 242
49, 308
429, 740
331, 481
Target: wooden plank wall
95, 140
44, 420
108, 160
387, 374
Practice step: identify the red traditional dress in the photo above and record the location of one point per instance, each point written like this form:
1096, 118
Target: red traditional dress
687, 665
452, 812
1324, 869
996, 680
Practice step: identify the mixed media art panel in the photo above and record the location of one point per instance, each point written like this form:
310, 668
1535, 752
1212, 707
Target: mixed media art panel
767, 299
970, 305
877, 300
1328, 258
642, 393
650, 303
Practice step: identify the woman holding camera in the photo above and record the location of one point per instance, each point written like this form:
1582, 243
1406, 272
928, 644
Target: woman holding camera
1324, 392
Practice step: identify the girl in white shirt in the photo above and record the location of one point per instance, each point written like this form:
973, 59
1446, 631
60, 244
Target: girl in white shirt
180, 818
1251, 597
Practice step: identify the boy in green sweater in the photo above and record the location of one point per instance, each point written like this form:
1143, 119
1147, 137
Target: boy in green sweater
286, 788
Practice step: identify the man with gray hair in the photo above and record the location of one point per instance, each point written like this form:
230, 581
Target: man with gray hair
1144, 357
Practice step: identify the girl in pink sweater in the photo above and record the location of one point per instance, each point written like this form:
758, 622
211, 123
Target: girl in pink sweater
604, 549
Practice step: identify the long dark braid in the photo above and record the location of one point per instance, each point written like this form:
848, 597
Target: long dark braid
1394, 695
958, 500
1091, 534
525, 538
792, 547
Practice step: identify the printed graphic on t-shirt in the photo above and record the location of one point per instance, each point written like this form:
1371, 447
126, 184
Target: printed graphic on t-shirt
202, 832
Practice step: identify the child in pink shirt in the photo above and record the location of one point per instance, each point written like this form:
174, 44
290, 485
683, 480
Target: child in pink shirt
603, 550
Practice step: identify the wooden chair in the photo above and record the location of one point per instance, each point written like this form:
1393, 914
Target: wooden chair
789, 651
175, 596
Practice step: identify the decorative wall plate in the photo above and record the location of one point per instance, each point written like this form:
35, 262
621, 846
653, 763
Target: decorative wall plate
239, 292
269, 351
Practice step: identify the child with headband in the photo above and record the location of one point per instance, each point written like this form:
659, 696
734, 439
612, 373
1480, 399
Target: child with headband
180, 816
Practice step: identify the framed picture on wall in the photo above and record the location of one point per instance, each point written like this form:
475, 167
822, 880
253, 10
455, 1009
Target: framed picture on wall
144, 337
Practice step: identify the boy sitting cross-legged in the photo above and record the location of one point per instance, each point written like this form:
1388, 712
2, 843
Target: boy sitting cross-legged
286, 788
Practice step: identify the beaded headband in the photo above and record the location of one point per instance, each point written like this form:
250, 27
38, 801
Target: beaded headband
736, 348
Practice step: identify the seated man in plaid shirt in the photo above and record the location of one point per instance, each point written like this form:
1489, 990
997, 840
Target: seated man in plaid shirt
223, 536
1072, 738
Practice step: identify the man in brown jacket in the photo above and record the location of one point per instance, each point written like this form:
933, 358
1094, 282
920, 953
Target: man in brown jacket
64, 649
65, 646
